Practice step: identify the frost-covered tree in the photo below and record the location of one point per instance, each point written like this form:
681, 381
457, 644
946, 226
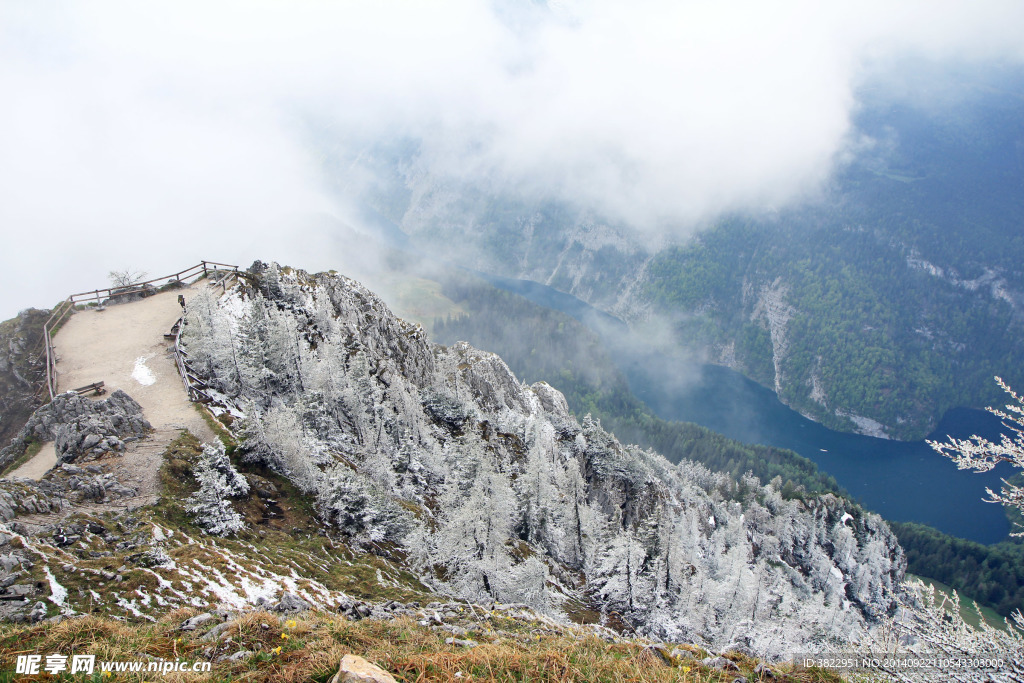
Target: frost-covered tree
277, 438
981, 455
218, 481
929, 626
360, 509
129, 277
209, 340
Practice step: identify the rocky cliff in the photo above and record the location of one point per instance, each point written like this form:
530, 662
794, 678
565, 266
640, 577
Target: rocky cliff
492, 490
21, 369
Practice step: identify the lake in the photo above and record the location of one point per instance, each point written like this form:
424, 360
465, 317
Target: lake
903, 481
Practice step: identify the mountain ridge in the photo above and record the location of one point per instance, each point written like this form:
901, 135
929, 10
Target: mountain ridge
440, 426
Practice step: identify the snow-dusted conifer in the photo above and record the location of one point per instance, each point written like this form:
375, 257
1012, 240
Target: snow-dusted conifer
361, 510
929, 626
218, 481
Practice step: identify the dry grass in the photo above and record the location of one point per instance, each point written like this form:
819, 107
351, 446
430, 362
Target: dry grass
309, 647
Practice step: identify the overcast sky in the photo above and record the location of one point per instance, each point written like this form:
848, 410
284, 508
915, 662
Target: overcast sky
152, 136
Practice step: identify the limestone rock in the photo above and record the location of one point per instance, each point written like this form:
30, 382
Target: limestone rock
291, 603
196, 621
355, 669
720, 663
459, 642
81, 427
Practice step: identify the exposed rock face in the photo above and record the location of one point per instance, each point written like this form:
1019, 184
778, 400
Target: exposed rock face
494, 490
81, 427
776, 312
21, 369
26, 498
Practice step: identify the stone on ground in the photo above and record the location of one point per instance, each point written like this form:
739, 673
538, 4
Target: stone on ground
355, 669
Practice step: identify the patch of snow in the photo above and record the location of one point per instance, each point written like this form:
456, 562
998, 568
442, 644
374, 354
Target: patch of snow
129, 606
845, 518
226, 405
216, 585
58, 593
836, 572
142, 374
162, 583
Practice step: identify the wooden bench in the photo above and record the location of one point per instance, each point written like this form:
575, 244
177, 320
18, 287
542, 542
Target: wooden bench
96, 388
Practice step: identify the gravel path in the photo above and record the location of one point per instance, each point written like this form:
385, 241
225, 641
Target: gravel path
39, 465
124, 347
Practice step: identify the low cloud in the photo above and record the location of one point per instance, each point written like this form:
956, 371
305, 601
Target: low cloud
152, 137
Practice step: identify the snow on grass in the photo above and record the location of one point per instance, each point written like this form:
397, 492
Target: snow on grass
216, 585
162, 583
142, 374
58, 593
131, 606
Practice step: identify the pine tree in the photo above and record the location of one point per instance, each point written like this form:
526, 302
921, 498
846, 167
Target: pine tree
218, 481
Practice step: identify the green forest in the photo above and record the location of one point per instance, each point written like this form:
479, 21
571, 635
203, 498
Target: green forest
883, 339
991, 574
902, 279
540, 344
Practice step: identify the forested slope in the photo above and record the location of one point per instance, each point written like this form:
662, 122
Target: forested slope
540, 343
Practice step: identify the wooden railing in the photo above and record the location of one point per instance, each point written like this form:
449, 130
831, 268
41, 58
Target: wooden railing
65, 308
194, 385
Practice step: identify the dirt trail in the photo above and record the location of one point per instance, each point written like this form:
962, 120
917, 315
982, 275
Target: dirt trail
124, 347
39, 465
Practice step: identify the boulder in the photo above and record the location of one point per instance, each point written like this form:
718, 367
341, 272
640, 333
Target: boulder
720, 663
79, 426
355, 669
291, 603
196, 621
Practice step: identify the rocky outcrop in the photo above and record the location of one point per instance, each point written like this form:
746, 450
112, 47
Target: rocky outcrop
26, 497
21, 370
772, 307
80, 427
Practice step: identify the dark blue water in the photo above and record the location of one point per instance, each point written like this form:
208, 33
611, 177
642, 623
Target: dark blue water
903, 481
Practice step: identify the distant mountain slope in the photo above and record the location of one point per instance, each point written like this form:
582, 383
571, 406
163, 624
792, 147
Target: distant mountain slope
891, 298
